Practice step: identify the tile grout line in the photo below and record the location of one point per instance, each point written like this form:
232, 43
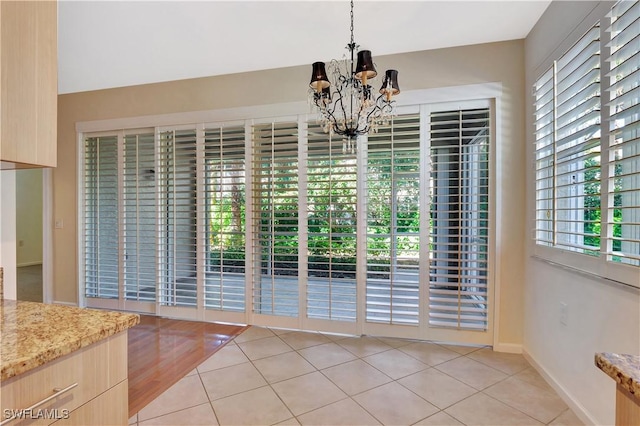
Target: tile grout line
517, 409
207, 393
508, 375
375, 387
351, 397
267, 381
347, 396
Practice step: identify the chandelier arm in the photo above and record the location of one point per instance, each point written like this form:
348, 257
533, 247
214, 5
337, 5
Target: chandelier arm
387, 105
372, 112
317, 101
381, 106
340, 101
340, 85
359, 119
331, 119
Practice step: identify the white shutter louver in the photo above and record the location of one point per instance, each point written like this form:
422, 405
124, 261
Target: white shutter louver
224, 224
139, 217
543, 94
623, 243
177, 218
459, 227
577, 146
331, 221
393, 222
275, 211
101, 217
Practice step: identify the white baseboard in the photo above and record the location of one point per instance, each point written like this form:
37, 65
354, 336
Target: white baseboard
37, 262
575, 406
510, 348
57, 302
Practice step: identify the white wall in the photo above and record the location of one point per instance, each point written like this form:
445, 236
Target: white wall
8, 231
29, 217
601, 316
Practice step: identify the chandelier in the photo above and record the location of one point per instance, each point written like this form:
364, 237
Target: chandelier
346, 103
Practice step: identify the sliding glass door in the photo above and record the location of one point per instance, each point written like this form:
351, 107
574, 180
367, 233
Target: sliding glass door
269, 222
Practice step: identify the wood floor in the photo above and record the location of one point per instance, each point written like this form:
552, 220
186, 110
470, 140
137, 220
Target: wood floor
162, 351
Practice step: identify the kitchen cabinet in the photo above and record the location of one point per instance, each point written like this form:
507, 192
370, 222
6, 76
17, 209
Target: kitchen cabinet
63, 364
28, 84
90, 387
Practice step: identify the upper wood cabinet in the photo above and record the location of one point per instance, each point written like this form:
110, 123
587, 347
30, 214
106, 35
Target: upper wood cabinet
28, 83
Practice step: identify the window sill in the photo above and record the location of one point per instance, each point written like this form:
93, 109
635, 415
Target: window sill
589, 266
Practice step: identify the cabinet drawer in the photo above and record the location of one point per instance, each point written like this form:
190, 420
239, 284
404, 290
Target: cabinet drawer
110, 408
94, 369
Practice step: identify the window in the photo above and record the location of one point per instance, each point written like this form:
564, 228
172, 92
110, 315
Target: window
623, 167
568, 149
269, 222
331, 228
139, 217
224, 205
393, 222
100, 179
587, 146
459, 221
545, 158
177, 230
275, 210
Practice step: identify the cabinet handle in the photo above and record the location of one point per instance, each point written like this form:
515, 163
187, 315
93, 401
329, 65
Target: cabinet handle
57, 393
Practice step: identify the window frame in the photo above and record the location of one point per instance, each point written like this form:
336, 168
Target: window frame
599, 266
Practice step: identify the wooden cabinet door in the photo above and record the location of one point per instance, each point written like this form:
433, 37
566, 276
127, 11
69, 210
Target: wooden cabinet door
29, 83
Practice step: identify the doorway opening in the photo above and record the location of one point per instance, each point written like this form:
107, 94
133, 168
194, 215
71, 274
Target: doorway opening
29, 235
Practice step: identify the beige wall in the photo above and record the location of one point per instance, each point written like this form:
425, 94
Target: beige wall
29, 217
8, 231
601, 316
496, 62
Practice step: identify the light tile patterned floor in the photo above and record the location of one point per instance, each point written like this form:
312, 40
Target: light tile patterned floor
277, 377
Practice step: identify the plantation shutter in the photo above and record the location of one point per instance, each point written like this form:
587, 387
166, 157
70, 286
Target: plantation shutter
275, 211
331, 219
623, 243
543, 94
577, 146
177, 229
459, 225
101, 217
393, 222
139, 217
224, 213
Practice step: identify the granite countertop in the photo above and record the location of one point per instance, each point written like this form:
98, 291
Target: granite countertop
624, 369
33, 334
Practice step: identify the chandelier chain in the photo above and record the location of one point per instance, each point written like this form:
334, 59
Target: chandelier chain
352, 42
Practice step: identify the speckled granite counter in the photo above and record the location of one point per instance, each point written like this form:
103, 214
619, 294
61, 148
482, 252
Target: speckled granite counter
33, 334
624, 369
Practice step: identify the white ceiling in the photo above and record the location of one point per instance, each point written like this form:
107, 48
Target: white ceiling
104, 44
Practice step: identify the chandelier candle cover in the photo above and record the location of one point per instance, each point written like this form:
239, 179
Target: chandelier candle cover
346, 102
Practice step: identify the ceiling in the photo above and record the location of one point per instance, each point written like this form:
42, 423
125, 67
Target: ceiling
105, 44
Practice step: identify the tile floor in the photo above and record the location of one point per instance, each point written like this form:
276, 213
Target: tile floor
268, 377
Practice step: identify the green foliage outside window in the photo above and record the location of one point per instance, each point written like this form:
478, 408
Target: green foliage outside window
592, 212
